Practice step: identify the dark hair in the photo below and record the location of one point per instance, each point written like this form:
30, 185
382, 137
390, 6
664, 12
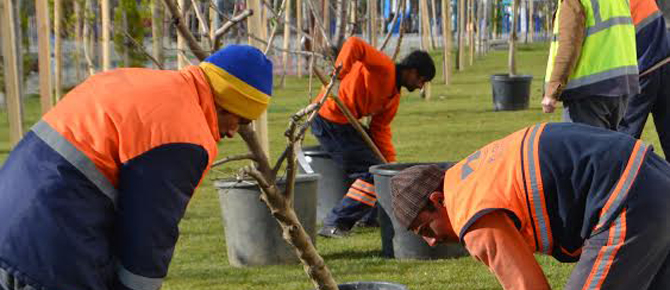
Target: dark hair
422, 62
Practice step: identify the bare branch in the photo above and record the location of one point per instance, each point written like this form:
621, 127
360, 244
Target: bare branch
312, 110
233, 158
203, 23
400, 7
228, 25
401, 33
140, 48
275, 26
320, 25
183, 30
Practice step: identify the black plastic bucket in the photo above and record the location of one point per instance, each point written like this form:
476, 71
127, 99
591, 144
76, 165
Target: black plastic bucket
510, 93
397, 241
333, 182
371, 286
253, 236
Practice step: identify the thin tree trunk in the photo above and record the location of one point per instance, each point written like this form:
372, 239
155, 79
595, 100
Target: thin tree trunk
425, 25
298, 37
471, 30
341, 24
446, 40
353, 17
11, 72
512, 39
125, 54
401, 30
78, 39
326, 17
531, 21
157, 12
287, 36
58, 48
433, 26
461, 34
372, 21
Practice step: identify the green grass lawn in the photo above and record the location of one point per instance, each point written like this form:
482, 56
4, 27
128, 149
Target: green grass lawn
456, 121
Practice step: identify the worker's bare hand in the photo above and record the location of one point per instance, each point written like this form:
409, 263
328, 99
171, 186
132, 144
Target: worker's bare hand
548, 104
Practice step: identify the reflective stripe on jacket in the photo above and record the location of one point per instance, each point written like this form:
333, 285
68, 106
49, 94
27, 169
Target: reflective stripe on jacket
367, 88
607, 65
559, 183
92, 195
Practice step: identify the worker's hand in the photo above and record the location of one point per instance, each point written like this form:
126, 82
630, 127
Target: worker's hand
548, 104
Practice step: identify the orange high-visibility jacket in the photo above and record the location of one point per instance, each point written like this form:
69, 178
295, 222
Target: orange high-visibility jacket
92, 195
558, 182
367, 88
651, 36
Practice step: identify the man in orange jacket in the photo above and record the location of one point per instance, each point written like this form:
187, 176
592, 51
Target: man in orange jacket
92, 196
370, 85
576, 192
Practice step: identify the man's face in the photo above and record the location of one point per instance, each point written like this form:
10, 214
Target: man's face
229, 123
411, 80
433, 225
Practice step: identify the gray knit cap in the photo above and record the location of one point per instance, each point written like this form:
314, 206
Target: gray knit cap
410, 190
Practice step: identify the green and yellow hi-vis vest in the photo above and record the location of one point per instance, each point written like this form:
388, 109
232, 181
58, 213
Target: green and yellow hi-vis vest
607, 65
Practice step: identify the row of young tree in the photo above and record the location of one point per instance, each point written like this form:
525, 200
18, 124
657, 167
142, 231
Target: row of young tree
93, 22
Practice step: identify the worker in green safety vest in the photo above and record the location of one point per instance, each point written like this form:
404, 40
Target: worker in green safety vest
592, 65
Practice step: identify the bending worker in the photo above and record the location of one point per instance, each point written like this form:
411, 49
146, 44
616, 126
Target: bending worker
575, 192
653, 46
92, 196
370, 85
592, 64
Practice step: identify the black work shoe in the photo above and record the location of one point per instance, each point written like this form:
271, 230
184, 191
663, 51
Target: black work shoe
367, 224
333, 232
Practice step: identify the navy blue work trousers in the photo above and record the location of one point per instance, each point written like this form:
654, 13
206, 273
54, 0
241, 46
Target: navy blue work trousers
349, 150
654, 99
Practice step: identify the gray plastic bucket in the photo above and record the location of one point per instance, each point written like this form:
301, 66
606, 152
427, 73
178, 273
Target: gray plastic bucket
371, 286
511, 93
333, 182
397, 241
253, 236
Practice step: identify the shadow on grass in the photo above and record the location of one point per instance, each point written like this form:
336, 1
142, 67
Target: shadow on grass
352, 255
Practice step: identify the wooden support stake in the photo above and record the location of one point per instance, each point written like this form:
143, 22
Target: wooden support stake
372, 15
58, 48
531, 21
433, 26
287, 42
425, 25
181, 42
254, 27
157, 12
105, 11
12, 81
326, 17
77, 39
461, 34
471, 30
446, 40
512, 39
298, 18
44, 62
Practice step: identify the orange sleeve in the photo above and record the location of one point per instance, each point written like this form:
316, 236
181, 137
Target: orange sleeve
355, 50
495, 241
380, 129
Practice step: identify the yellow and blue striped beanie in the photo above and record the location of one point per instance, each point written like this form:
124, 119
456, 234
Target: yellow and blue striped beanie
241, 79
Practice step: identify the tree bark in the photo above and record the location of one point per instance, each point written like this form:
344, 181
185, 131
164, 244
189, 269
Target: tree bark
44, 61
11, 72
341, 22
446, 40
157, 12
105, 10
461, 37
